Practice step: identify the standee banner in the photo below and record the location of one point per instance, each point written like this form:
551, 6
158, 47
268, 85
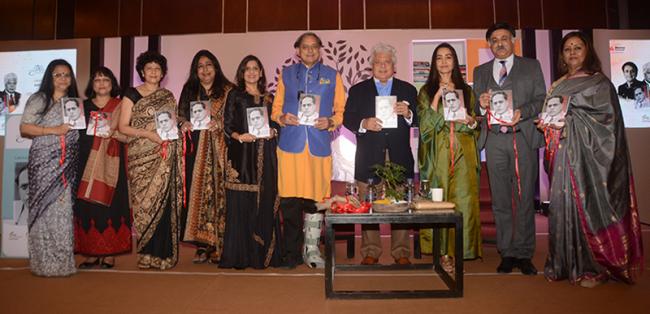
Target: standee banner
14, 191
630, 73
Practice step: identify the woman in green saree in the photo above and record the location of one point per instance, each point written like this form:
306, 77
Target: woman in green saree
447, 154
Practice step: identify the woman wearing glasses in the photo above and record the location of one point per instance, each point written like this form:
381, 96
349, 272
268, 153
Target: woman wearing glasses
52, 164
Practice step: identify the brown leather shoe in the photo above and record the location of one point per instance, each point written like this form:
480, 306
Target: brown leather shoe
402, 261
369, 260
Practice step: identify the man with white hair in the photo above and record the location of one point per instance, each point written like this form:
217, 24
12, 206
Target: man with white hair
375, 142
10, 96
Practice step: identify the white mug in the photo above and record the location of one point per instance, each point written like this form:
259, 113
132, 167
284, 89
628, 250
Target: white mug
436, 194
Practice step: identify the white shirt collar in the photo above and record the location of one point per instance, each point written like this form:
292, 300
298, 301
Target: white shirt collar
508, 60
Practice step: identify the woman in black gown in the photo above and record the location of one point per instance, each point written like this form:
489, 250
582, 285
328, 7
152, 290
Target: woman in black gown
252, 220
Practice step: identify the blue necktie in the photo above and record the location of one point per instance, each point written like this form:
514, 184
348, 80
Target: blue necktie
503, 73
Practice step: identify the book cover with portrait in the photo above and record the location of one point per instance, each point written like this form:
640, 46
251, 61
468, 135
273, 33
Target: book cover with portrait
73, 112
453, 105
166, 125
99, 124
308, 108
200, 115
554, 111
501, 111
257, 119
385, 111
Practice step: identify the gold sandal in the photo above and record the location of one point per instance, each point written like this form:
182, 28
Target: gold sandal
447, 263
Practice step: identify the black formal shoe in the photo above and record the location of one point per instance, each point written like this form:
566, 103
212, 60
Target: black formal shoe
507, 263
289, 262
527, 267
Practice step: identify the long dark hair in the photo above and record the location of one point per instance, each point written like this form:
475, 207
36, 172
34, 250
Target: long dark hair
433, 81
591, 64
241, 69
47, 83
102, 71
193, 84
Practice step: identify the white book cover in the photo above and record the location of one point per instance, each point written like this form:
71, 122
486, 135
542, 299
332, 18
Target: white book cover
73, 112
501, 111
453, 104
99, 124
555, 110
166, 125
200, 115
308, 109
258, 122
385, 111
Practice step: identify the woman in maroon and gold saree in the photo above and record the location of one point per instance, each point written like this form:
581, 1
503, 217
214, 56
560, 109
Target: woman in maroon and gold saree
594, 229
154, 166
102, 214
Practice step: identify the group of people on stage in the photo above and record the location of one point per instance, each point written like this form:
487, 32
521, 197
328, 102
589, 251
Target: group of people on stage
224, 190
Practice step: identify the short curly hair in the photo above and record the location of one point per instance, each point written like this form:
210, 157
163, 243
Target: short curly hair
148, 57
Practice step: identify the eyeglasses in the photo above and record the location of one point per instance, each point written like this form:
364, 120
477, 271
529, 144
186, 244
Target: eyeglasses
61, 75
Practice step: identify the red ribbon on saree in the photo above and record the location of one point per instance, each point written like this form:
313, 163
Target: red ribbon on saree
100, 176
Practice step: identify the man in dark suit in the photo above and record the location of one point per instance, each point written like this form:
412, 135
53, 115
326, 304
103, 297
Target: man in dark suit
374, 143
626, 90
10, 96
511, 148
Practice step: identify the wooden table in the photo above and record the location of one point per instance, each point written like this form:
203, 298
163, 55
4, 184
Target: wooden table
435, 220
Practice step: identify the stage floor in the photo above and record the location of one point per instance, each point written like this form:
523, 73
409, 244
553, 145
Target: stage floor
190, 288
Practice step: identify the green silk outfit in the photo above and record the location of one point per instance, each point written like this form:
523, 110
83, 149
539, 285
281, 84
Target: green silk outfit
461, 186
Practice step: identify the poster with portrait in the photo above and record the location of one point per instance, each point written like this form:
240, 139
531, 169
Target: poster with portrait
73, 113
554, 111
385, 111
630, 73
166, 125
501, 111
21, 73
200, 115
14, 191
258, 122
308, 108
99, 124
453, 105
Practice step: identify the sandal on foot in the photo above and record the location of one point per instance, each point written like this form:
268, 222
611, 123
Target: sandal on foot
106, 265
447, 263
201, 256
89, 264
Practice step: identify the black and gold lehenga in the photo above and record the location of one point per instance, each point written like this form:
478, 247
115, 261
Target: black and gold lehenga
155, 183
252, 220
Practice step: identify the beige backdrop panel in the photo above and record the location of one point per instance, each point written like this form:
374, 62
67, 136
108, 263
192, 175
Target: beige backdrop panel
273, 48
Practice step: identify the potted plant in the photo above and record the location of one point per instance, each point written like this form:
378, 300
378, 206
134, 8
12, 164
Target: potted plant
392, 180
